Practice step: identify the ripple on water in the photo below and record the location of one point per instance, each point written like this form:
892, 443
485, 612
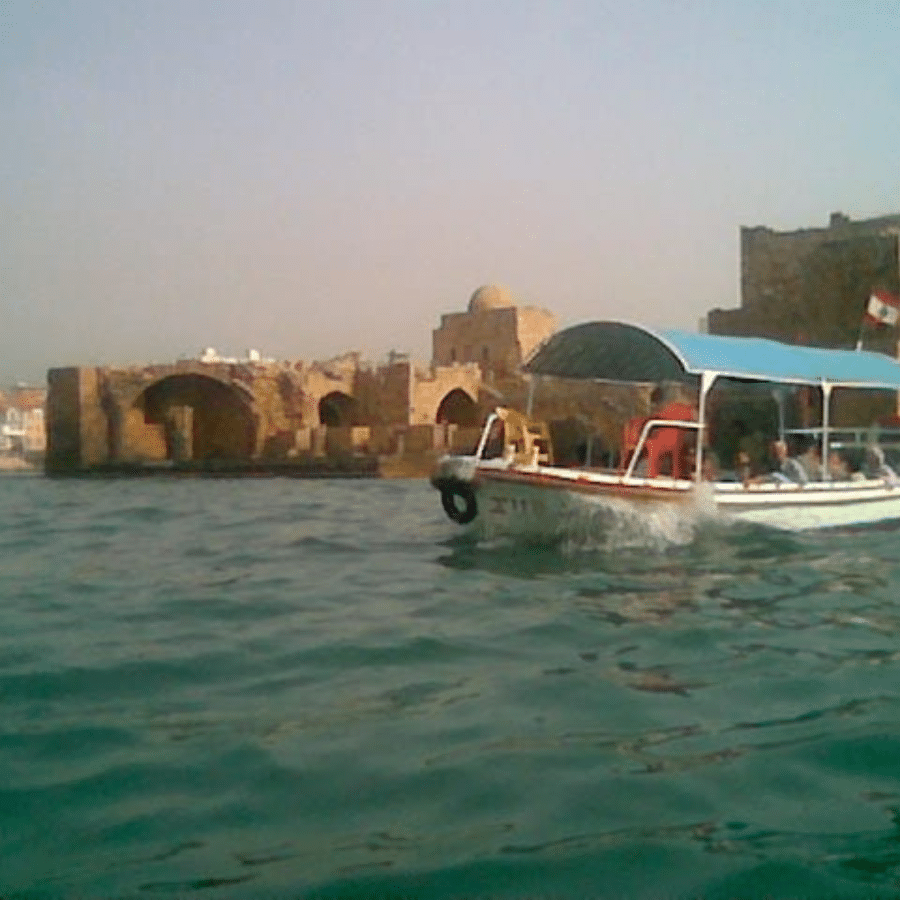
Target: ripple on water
282, 688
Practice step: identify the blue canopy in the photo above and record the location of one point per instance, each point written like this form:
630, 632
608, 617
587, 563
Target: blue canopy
619, 352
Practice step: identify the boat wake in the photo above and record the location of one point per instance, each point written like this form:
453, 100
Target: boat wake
592, 523
611, 524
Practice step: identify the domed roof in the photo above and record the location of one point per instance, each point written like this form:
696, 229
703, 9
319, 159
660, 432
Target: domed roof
491, 296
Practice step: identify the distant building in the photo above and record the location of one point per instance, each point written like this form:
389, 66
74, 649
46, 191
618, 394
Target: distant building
811, 286
495, 333
211, 355
22, 429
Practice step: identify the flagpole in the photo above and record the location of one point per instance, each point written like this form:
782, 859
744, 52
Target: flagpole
862, 325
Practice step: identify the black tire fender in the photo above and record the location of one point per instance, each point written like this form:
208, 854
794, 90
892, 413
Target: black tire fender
458, 500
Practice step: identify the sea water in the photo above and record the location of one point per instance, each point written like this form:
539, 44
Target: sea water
279, 688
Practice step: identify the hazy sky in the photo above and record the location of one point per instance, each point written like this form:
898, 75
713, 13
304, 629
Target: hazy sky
309, 177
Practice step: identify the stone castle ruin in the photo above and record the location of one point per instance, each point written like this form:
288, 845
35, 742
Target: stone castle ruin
211, 412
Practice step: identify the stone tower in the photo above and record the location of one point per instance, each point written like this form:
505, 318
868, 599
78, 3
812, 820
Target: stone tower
494, 332
811, 286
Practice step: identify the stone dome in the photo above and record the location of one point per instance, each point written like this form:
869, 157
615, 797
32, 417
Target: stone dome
491, 296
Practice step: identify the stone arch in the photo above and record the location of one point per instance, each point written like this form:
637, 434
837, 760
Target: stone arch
199, 417
457, 408
338, 410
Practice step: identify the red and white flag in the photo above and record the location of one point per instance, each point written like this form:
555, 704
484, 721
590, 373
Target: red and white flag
883, 308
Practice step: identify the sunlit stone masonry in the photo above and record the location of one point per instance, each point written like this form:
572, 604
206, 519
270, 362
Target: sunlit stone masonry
214, 412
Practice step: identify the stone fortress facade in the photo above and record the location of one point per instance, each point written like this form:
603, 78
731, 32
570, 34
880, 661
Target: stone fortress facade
211, 411
811, 286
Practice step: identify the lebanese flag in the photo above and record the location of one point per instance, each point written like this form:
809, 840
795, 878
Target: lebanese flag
883, 308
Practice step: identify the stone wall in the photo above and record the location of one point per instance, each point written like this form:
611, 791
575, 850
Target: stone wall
534, 326
64, 416
141, 441
384, 392
196, 411
811, 286
77, 432
431, 386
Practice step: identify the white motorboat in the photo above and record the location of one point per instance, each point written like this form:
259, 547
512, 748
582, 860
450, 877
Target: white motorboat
513, 484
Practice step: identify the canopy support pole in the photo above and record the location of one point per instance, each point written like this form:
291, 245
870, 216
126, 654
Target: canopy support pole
706, 382
778, 396
826, 424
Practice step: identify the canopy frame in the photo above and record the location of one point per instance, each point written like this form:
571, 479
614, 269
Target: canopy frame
623, 353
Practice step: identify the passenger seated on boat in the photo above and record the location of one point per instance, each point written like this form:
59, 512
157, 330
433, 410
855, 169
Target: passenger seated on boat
876, 467
742, 468
709, 467
811, 460
838, 467
687, 459
787, 468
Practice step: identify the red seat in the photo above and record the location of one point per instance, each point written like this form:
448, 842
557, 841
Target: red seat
662, 442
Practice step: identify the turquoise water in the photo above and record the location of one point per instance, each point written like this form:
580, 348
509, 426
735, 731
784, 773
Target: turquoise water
311, 689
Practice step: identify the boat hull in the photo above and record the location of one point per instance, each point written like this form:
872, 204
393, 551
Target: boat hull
549, 502
794, 507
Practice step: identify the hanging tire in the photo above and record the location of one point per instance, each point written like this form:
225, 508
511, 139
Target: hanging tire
458, 500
